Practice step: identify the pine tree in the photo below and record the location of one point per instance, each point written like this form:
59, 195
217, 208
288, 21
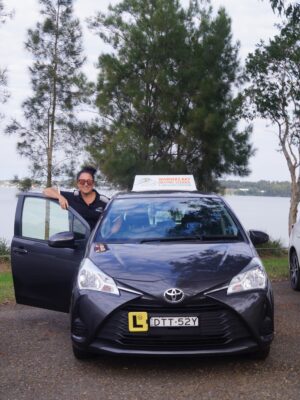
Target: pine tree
165, 94
290, 9
50, 136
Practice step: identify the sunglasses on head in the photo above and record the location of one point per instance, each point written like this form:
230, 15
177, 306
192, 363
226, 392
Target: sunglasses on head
82, 182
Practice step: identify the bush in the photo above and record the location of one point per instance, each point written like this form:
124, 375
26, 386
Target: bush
4, 250
274, 247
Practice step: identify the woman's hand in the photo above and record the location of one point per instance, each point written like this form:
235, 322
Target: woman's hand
63, 202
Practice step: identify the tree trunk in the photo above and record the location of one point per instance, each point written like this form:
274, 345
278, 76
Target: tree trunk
292, 211
47, 219
49, 170
54, 100
292, 163
294, 200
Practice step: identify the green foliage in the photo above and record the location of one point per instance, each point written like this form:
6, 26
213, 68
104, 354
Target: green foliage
3, 73
274, 247
165, 94
260, 188
4, 249
291, 10
24, 184
274, 94
50, 138
273, 71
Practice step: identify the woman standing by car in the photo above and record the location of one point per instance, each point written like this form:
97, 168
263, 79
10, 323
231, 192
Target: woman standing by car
85, 200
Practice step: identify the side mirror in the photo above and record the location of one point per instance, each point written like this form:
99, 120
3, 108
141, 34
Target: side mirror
258, 237
62, 240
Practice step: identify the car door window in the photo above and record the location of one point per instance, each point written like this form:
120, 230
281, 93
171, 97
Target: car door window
79, 229
42, 218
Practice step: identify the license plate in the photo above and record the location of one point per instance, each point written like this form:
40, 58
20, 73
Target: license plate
174, 322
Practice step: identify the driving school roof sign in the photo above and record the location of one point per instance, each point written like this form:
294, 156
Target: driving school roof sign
163, 182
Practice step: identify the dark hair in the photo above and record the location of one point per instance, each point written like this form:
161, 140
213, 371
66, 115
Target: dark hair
89, 170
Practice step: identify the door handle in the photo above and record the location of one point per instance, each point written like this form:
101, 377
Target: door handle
19, 250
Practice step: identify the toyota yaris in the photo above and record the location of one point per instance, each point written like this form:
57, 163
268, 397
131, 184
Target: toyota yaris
165, 273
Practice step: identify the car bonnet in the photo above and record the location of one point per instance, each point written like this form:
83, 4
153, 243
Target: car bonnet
180, 264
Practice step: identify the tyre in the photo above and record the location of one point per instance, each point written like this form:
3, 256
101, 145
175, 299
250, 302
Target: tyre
294, 271
80, 354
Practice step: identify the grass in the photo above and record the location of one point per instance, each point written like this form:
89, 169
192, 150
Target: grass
277, 268
275, 259
6, 283
4, 250
7, 293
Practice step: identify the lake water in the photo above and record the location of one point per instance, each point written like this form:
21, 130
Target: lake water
269, 214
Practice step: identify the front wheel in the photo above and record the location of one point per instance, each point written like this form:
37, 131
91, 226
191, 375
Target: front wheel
294, 271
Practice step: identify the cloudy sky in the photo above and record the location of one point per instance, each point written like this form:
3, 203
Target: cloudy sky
252, 20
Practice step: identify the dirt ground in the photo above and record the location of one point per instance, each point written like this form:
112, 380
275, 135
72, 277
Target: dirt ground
36, 362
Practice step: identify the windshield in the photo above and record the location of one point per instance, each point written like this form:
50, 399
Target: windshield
167, 219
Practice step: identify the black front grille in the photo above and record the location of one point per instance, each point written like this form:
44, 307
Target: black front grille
218, 326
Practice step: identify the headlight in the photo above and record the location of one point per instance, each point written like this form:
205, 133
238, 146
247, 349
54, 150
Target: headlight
92, 278
254, 278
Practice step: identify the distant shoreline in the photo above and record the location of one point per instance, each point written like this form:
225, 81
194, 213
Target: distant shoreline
259, 188
229, 192
227, 188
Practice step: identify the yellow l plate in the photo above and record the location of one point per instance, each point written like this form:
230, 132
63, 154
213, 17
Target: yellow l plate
138, 321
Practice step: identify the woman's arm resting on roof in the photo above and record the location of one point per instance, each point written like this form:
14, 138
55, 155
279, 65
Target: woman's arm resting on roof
55, 194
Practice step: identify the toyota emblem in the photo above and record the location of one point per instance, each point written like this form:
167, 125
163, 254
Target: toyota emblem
174, 295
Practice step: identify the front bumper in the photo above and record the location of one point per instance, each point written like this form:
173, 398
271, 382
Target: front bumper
233, 324
243, 347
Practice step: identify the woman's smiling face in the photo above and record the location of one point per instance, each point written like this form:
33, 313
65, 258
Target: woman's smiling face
85, 183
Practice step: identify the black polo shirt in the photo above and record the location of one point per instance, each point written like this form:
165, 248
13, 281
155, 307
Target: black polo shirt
92, 212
